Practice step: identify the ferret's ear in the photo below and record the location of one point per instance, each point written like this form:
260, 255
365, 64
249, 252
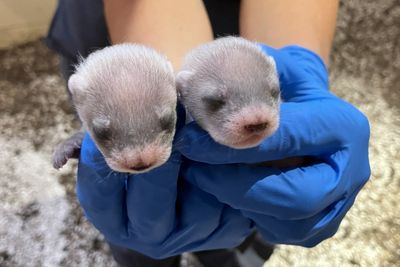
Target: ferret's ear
101, 122
101, 127
76, 84
271, 60
182, 79
164, 111
170, 66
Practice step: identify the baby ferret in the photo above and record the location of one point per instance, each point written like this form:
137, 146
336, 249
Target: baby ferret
125, 96
231, 89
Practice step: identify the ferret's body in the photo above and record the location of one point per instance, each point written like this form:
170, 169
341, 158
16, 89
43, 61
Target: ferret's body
231, 89
125, 96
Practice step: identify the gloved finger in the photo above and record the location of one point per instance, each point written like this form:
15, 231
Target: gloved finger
204, 223
306, 232
300, 70
151, 199
151, 196
311, 128
286, 195
101, 192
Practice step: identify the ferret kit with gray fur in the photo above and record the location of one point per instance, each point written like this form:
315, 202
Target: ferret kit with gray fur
125, 96
231, 89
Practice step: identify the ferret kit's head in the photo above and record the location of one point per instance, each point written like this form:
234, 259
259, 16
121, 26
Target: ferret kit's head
126, 97
231, 89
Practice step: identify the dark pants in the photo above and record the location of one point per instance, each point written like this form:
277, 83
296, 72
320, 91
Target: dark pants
129, 258
210, 258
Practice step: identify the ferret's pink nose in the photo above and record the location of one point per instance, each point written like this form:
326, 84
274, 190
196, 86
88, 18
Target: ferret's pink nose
255, 128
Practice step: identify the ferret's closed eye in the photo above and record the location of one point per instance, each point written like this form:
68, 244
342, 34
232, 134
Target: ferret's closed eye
167, 123
213, 103
102, 133
275, 92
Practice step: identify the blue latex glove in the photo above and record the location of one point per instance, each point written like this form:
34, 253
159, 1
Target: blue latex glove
300, 206
154, 213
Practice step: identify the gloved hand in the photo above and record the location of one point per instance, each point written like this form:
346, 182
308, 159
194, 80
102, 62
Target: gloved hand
300, 206
154, 213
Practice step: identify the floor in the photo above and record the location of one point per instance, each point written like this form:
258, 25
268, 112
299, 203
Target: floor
41, 223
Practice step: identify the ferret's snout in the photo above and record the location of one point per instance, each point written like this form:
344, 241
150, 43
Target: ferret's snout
255, 128
139, 159
248, 127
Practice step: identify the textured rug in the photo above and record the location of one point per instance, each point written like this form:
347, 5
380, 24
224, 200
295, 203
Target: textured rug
41, 223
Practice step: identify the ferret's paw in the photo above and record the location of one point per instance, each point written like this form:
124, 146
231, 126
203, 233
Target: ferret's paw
68, 149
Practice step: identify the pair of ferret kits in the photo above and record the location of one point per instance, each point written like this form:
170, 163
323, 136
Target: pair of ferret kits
126, 97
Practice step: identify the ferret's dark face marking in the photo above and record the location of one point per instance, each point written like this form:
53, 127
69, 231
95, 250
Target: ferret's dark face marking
167, 123
214, 103
126, 97
232, 90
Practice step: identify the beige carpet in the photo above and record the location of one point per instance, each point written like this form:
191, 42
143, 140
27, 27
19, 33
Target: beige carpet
42, 225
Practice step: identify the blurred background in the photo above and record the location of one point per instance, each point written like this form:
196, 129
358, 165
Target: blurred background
41, 223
